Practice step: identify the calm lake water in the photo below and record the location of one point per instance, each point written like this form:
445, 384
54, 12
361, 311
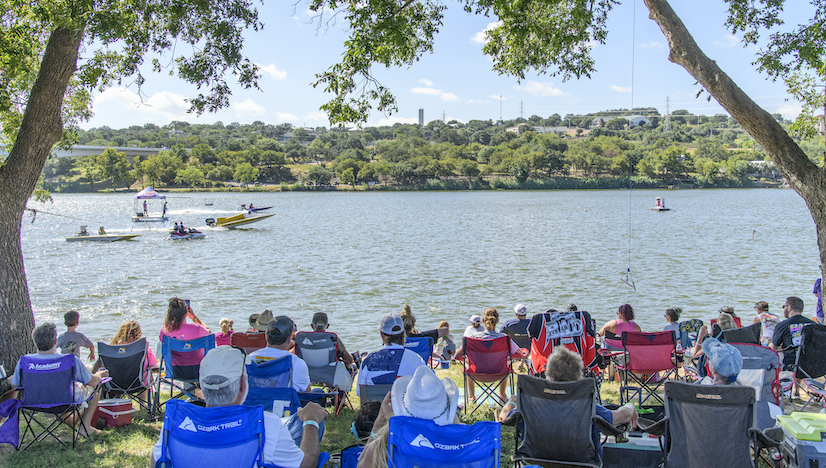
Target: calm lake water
358, 256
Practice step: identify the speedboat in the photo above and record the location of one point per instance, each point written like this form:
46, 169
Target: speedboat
85, 235
236, 221
187, 234
659, 205
253, 209
141, 211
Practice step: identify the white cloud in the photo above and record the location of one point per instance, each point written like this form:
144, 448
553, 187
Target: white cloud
272, 71
426, 82
317, 116
428, 91
449, 97
479, 101
286, 117
652, 45
620, 89
535, 88
497, 97
248, 107
169, 105
729, 41
481, 37
789, 111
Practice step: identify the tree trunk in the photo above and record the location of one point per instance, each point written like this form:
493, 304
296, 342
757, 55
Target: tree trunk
40, 129
806, 178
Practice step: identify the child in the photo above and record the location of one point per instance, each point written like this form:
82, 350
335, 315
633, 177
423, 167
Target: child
223, 338
71, 341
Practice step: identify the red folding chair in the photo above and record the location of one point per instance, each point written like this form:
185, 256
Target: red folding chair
487, 363
249, 342
644, 357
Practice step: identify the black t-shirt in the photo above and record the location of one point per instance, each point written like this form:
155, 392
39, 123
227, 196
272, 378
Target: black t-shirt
432, 334
787, 335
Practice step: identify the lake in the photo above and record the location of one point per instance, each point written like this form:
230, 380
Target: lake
449, 255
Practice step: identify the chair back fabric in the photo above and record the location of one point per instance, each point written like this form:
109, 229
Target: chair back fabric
565, 437
374, 392
47, 383
350, 456
318, 350
518, 332
421, 345
574, 330
750, 334
271, 385
172, 347
689, 331
195, 437
126, 365
649, 352
249, 342
811, 355
708, 425
490, 357
415, 442
761, 371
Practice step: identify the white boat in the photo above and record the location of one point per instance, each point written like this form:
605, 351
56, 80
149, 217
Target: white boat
236, 221
187, 234
85, 236
659, 205
141, 211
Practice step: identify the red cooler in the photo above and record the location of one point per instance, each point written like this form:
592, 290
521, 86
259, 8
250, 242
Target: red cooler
116, 411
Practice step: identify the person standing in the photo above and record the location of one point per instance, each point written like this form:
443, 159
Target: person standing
819, 308
145, 212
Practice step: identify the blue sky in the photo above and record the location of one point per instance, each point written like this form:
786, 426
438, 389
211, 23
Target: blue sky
457, 80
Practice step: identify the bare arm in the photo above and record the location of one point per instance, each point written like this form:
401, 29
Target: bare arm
625, 414
346, 357
610, 326
309, 442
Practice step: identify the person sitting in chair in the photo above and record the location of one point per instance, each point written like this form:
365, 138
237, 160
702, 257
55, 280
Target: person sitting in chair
566, 366
393, 360
280, 335
321, 324
45, 339
223, 379
724, 363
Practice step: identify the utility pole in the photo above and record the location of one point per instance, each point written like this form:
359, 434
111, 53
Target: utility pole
667, 124
521, 109
444, 117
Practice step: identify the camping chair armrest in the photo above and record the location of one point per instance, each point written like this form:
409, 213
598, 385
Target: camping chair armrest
656, 428
513, 419
769, 438
605, 427
609, 353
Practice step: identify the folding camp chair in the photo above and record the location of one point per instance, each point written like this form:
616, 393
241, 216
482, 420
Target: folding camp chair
249, 342
127, 369
750, 334
271, 385
519, 334
421, 345
348, 458
171, 372
320, 350
689, 331
574, 330
47, 386
761, 371
420, 443
569, 437
487, 364
184, 446
810, 364
711, 425
646, 354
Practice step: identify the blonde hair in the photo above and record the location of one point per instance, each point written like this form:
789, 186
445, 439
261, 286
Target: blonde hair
224, 323
491, 321
443, 324
129, 331
490, 311
409, 320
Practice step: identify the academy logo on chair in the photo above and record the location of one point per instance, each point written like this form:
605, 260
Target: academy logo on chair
188, 425
421, 441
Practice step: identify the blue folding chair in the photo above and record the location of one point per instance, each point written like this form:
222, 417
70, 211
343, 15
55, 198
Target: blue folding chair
195, 437
421, 443
170, 371
350, 456
421, 345
48, 386
271, 385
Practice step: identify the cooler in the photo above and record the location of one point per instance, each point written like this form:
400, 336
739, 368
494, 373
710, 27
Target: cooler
116, 412
804, 439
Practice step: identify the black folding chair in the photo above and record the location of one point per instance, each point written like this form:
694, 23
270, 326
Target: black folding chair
127, 369
319, 351
750, 334
711, 425
48, 386
373, 392
810, 363
566, 438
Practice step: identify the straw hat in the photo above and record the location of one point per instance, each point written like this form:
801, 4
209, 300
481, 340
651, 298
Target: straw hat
424, 396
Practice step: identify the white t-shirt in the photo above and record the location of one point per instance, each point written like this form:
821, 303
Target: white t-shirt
471, 330
279, 447
410, 361
301, 374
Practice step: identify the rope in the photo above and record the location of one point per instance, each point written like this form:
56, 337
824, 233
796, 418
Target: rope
627, 280
34, 215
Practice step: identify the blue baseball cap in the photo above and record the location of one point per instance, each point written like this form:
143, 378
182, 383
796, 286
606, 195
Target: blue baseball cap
724, 358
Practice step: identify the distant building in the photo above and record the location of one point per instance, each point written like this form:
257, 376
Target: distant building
421, 117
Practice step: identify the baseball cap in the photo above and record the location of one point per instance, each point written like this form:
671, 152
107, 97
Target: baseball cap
280, 328
520, 309
391, 324
725, 358
475, 319
762, 305
223, 361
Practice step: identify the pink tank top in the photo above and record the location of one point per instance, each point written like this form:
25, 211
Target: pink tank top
621, 327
